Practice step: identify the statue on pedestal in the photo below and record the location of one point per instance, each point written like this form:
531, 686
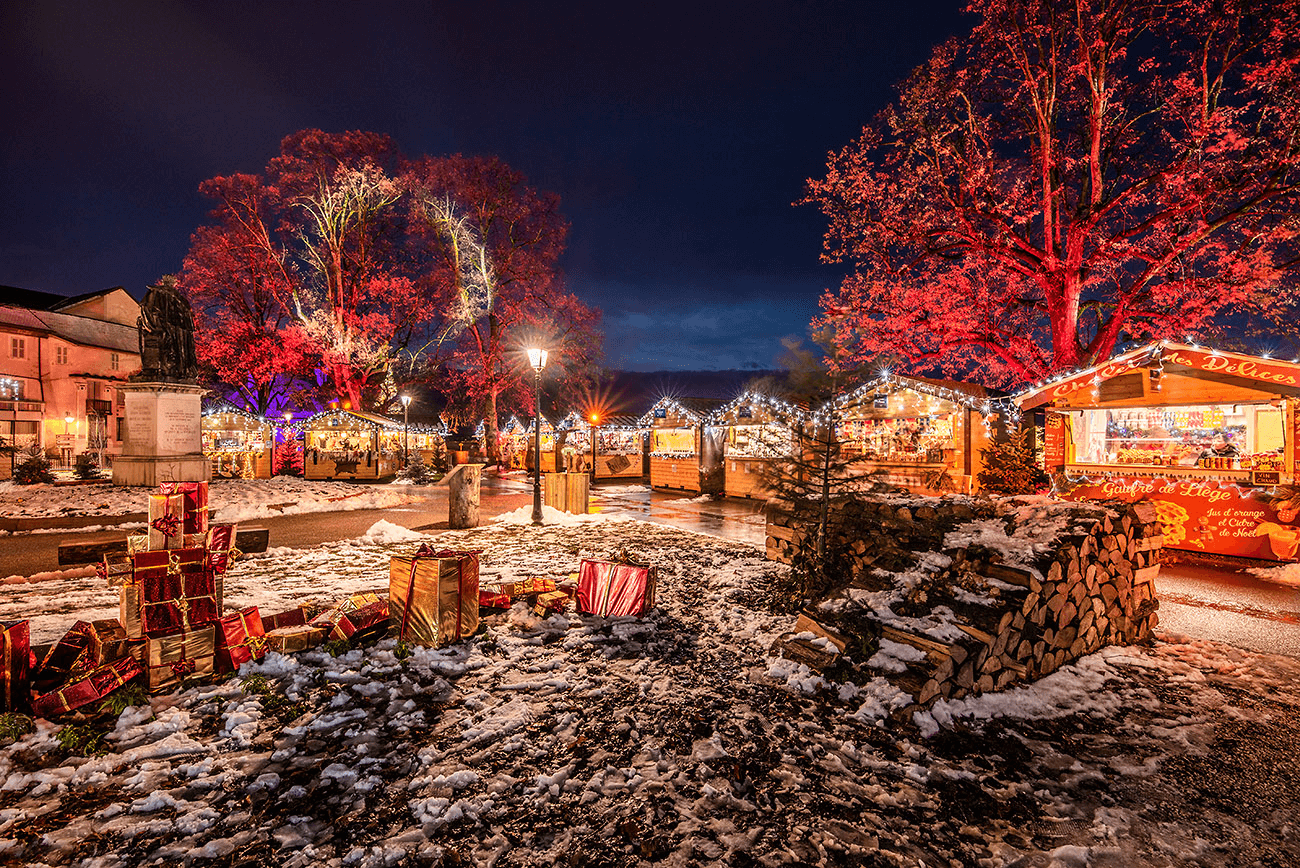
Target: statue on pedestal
166, 327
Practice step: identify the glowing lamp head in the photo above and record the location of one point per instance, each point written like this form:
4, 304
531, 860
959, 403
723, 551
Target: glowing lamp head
69, 419
536, 359
288, 416
595, 417
406, 400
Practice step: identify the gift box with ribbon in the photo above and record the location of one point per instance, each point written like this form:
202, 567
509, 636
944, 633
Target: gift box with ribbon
174, 660
240, 639
550, 602
525, 587
176, 590
433, 596
291, 618
166, 521
66, 659
615, 589
15, 665
491, 600
196, 503
296, 638
89, 687
371, 618
115, 570
108, 641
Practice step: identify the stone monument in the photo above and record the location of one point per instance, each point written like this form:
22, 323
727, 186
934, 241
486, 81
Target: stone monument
162, 440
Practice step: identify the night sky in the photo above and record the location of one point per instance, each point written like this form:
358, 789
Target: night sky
677, 136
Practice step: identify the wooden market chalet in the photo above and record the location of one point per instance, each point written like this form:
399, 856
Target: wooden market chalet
1209, 437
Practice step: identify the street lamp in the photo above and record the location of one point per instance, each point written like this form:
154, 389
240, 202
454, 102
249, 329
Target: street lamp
406, 411
537, 360
72, 444
595, 419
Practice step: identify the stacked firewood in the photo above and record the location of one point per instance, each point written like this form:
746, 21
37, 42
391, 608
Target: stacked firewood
947, 622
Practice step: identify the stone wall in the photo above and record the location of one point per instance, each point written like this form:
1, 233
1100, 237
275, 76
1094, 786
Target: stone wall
957, 596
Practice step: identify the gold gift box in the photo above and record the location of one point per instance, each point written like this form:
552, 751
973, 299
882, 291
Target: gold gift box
300, 638
433, 600
174, 660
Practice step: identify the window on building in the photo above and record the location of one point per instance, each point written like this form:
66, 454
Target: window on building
60, 355
114, 361
18, 348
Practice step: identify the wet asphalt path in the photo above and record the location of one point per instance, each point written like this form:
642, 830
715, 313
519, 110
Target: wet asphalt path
1229, 605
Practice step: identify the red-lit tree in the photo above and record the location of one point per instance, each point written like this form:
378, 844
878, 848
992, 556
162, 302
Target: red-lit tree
309, 263
501, 287
1068, 176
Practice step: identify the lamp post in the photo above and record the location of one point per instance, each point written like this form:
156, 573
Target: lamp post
72, 444
595, 419
406, 415
537, 359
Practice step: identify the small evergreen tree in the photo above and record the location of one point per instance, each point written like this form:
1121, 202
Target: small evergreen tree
1010, 466
287, 459
33, 469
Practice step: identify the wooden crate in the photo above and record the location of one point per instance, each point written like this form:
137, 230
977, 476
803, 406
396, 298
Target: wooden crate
567, 492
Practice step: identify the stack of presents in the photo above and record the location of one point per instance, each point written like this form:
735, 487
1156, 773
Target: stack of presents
172, 630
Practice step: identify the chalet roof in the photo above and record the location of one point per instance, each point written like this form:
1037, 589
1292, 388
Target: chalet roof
81, 330
697, 409
1188, 360
780, 408
966, 394
371, 418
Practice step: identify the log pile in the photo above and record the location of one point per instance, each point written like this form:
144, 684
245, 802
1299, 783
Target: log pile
954, 597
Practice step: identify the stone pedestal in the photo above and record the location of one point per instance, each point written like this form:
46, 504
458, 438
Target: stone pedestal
463, 495
162, 440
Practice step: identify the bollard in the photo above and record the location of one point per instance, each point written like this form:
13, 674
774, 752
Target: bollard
463, 495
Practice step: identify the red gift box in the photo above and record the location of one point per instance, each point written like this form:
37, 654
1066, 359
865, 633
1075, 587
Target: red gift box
240, 639
176, 594
292, 618
613, 590
490, 600
90, 687
196, 503
68, 658
368, 617
15, 665
221, 547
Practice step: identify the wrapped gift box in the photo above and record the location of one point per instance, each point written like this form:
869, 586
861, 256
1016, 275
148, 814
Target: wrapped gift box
550, 602
174, 660
15, 665
298, 638
166, 521
65, 660
108, 641
240, 639
137, 542
89, 687
196, 503
292, 618
527, 586
172, 601
433, 596
492, 600
613, 590
370, 618
331, 616
221, 548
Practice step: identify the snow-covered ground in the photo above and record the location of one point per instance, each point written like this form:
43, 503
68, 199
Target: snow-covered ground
229, 499
678, 739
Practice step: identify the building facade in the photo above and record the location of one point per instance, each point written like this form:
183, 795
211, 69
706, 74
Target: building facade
61, 363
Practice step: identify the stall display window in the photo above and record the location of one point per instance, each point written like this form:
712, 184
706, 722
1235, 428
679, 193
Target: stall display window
920, 439
619, 442
760, 441
1215, 436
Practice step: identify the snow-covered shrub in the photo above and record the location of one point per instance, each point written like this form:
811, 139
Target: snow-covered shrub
418, 473
1010, 466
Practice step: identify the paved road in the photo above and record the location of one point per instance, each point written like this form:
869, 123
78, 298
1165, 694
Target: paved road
1229, 605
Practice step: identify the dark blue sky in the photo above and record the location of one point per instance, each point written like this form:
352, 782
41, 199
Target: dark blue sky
676, 135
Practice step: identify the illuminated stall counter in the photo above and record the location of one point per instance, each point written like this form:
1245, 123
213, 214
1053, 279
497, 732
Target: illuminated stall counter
1208, 437
516, 445
924, 435
349, 444
756, 431
238, 445
685, 454
620, 446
